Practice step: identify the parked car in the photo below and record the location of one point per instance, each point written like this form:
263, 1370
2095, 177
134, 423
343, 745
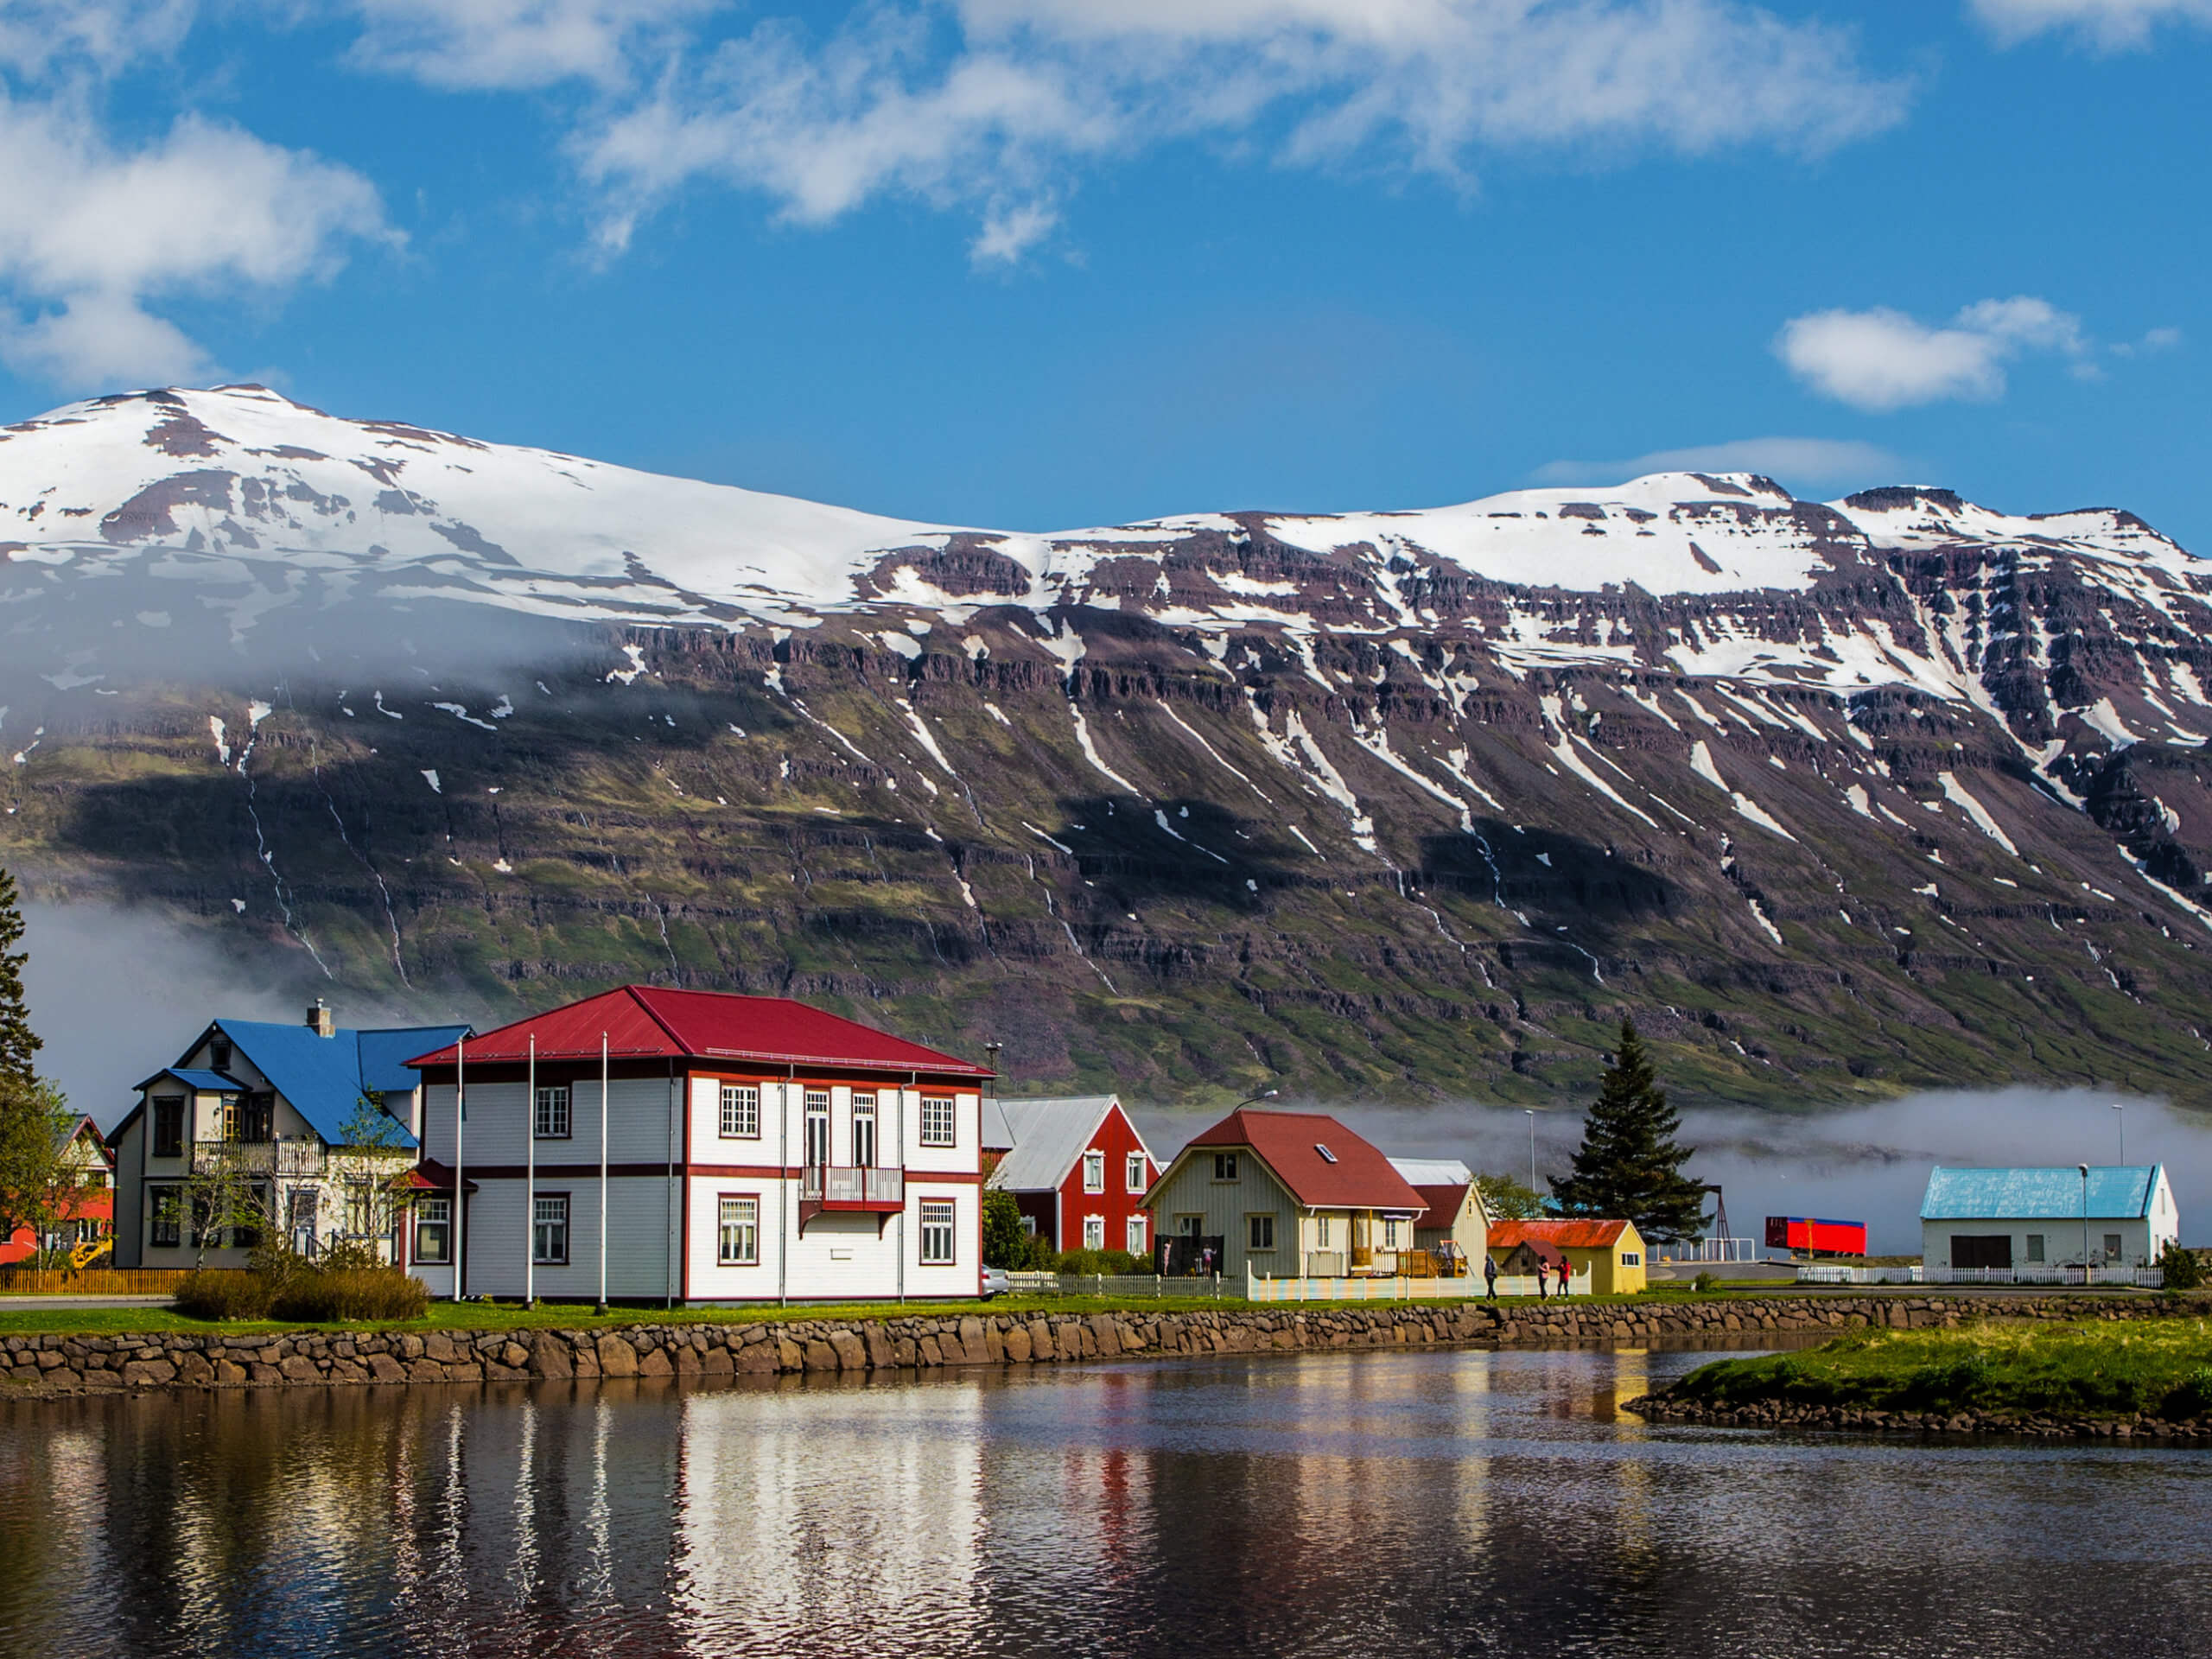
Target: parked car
996, 1283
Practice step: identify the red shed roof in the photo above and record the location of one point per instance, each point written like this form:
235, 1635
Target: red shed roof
1565, 1235
1443, 1202
1354, 1175
642, 1021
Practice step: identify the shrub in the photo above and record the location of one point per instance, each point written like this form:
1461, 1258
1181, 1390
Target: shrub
2192, 1397
2184, 1269
1111, 1263
1703, 1281
224, 1294
325, 1295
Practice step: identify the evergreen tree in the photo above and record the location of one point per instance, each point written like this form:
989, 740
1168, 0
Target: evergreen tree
19, 1046
1629, 1166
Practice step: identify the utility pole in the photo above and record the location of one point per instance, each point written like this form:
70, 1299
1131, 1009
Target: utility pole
1530, 1112
2122, 1120
2087, 1273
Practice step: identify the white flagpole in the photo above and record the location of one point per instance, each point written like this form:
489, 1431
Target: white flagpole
602, 1172
529, 1179
460, 1119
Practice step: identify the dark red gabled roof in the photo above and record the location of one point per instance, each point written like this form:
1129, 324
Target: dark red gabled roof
1290, 1144
647, 1022
1443, 1202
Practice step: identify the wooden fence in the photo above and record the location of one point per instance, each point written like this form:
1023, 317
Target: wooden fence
93, 1281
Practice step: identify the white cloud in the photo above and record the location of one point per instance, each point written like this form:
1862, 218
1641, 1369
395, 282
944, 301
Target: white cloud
2154, 341
93, 232
1883, 359
518, 45
2110, 24
1796, 461
993, 105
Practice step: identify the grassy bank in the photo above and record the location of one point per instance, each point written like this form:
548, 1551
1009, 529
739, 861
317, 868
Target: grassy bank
2159, 1367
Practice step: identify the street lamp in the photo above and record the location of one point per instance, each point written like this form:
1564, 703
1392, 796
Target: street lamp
2086, 1273
1265, 1094
1530, 1113
2122, 1121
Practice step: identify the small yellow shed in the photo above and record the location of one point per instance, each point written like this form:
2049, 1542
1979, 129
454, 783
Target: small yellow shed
1610, 1252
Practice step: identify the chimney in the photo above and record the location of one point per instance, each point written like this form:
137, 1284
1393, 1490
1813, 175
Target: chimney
321, 1020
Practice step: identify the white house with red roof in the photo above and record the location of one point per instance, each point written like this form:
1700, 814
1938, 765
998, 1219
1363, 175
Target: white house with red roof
697, 1147
1290, 1195
1079, 1170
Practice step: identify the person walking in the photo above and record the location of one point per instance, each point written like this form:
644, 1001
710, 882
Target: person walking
1541, 1274
1489, 1277
1566, 1271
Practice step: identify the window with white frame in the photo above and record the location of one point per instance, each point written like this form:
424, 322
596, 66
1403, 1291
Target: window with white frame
1631, 1258
741, 1114
1322, 1232
817, 1128
168, 1216
549, 1230
434, 1231
2034, 1247
1136, 1231
1260, 1234
1389, 1232
1136, 1172
1094, 1172
739, 1243
936, 1232
550, 1122
1094, 1232
863, 1130
937, 1121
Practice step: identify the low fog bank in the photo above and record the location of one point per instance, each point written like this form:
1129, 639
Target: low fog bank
1866, 1163
116, 992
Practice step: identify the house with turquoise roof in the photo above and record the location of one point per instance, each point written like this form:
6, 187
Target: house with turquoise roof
2033, 1223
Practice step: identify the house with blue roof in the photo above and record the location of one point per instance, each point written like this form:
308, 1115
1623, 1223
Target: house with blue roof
2030, 1223
311, 1122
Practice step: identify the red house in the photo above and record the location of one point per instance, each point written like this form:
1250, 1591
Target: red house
1080, 1171
86, 1214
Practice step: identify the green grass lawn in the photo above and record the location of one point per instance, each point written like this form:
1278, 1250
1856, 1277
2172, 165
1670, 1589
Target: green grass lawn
2026, 1366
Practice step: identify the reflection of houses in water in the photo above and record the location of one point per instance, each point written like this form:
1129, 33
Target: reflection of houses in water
857, 1511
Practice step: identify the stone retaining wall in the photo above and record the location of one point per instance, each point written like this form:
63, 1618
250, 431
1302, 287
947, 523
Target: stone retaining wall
58, 1364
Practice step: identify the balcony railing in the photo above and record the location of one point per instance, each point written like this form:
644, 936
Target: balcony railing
300, 1157
835, 1187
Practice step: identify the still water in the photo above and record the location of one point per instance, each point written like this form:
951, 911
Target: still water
1399, 1503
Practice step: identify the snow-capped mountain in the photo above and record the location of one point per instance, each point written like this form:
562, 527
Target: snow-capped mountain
1836, 795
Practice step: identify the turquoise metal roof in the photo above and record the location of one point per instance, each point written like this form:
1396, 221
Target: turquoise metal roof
2116, 1192
324, 1077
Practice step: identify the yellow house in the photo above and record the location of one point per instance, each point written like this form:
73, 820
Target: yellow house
1610, 1252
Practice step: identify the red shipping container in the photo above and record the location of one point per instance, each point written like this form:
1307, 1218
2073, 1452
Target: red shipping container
1816, 1237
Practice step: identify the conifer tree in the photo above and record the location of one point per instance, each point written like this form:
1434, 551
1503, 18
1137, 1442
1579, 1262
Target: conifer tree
1629, 1166
19, 1046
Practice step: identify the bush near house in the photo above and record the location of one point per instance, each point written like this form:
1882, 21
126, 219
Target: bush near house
1112, 1263
347, 1283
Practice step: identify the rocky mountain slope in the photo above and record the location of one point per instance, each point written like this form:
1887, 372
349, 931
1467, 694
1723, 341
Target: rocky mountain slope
1837, 799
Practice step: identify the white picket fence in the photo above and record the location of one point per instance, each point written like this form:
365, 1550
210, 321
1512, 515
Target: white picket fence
1258, 1289
2139, 1278
1833, 1273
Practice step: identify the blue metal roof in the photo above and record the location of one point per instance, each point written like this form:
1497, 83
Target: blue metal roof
324, 1077
2115, 1192
212, 1083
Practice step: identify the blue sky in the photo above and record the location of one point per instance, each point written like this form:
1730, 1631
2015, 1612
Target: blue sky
1041, 263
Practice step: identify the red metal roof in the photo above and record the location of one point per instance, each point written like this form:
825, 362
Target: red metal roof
1565, 1235
1443, 1202
641, 1021
1290, 1144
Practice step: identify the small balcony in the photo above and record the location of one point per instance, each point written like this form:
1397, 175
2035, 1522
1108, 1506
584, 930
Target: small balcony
282, 1157
832, 1187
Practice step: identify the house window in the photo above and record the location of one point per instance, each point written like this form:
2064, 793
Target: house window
549, 1230
95, 1179
2034, 1247
863, 1131
936, 1120
2112, 1247
1094, 1232
219, 1054
1261, 1232
1224, 1166
551, 1120
1389, 1232
1631, 1258
1136, 1235
1322, 1232
1029, 1226
817, 1141
936, 1232
169, 1217
306, 1206
1135, 1172
169, 1126
433, 1230
226, 1117
740, 1111
1094, 1172
739, 1236
258, 1117
360, 1206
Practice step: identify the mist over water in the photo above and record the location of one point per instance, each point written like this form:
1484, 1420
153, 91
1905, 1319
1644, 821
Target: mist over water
1862, 1163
